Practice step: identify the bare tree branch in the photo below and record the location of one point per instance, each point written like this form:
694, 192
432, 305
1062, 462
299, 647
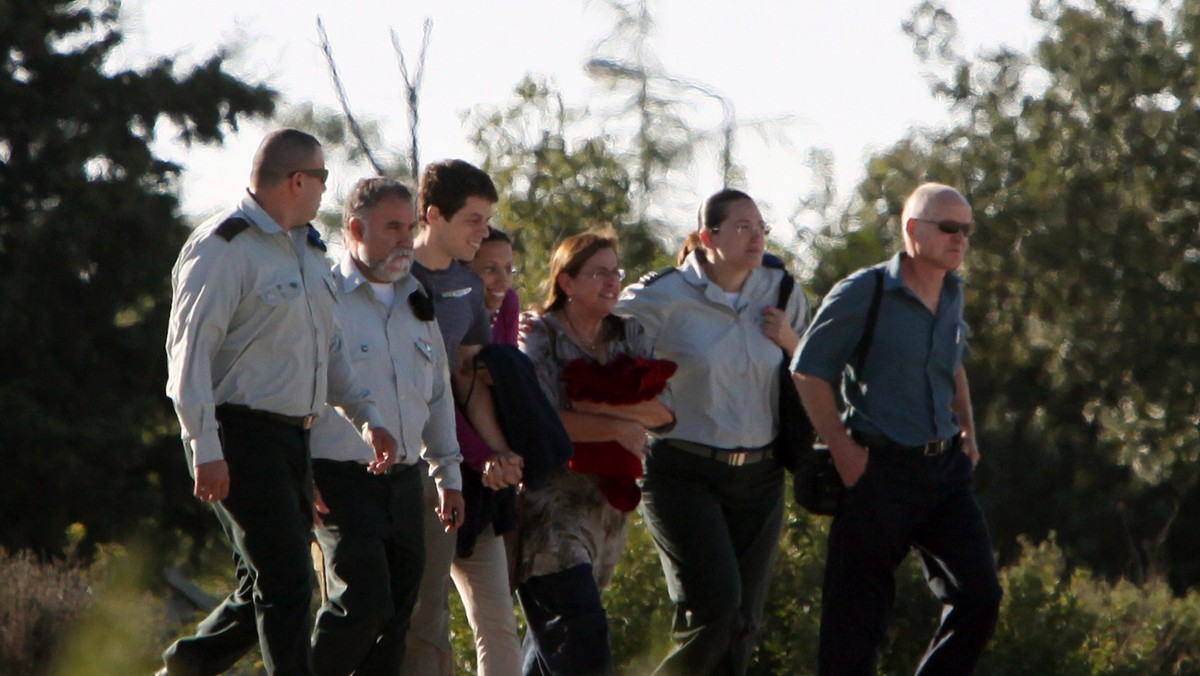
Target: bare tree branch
351, 121
412, 90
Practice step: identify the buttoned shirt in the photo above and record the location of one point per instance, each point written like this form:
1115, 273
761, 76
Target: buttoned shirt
726, 390
403, 361
252, 324
908, 381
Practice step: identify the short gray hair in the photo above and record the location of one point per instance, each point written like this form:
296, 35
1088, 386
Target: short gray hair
368, 192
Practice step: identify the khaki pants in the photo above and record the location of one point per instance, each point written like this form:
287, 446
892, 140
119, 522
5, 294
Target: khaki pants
482, 582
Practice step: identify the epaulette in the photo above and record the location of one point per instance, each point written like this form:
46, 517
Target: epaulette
421, 303
231, 227
652, 277
314, 239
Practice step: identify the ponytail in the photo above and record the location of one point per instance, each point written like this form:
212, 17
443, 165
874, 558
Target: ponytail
689, 245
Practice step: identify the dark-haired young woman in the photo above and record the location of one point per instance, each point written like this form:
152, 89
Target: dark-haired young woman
713, 492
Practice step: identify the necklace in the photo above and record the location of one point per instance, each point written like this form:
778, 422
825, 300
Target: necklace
590, 347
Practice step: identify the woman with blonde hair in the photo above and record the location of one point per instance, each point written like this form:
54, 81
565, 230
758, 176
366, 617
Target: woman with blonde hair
572, 530
713, 491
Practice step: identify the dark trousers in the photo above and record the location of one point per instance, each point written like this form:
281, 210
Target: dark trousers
567, 631
907, 500
373, 540
267, 517
716, 528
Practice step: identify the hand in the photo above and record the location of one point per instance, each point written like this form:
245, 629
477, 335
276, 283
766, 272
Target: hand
212, 481
633, 437
850, 459
384, 445
969, 447
503, 468
319, 508
451, 509
777, 328
525, 322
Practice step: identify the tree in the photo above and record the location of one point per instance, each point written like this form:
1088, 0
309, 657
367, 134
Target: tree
661, 106
1084, 277
361, 140
89, 229
551, 187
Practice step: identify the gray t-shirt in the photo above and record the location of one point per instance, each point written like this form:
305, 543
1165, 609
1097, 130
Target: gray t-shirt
458, 304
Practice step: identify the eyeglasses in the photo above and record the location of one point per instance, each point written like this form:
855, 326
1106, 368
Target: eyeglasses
600, 274
951, 227
742, 228
321, 174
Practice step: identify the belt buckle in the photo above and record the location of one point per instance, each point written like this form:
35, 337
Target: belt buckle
736, 458
307, 421
934, 448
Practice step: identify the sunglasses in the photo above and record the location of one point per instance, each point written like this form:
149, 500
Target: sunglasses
320, 174
951, 227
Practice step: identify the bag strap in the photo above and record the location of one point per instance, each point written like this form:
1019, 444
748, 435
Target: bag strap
786, 285
868, 336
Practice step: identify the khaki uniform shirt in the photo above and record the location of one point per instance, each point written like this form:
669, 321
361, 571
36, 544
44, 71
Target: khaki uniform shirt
403, 361
726, 391
252, 323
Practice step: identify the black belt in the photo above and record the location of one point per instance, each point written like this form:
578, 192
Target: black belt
304, 422
930, 448
735, 457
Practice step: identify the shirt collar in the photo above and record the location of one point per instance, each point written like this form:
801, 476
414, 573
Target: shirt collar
693, 272
253, 211
893, 280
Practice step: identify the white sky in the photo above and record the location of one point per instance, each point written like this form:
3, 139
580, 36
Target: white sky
842, 70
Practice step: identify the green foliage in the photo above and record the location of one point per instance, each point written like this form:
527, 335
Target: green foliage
118, 632
1052, 621
1083, 279
1056, 622
639, 612
552, 188
88, 232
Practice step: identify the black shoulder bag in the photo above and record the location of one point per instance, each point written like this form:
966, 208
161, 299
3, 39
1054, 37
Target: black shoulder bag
816, 484
796, 433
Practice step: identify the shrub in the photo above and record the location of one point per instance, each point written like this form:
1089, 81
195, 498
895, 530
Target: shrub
39, 601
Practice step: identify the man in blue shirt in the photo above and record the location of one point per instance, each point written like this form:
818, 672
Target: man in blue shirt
904, 446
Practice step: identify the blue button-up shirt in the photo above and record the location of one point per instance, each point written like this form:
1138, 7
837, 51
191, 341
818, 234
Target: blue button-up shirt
907, 385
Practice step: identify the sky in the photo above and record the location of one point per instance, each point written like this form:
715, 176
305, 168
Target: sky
841, 75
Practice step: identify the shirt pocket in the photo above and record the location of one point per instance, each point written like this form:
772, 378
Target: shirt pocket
280, 290
363, 350
428, 367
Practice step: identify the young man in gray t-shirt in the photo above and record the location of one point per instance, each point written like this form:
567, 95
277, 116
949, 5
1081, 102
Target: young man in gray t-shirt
456, 202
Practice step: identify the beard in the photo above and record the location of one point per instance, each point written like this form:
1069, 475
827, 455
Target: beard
395, 267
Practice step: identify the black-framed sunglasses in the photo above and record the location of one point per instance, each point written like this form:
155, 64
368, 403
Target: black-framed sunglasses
951, 227
321, 174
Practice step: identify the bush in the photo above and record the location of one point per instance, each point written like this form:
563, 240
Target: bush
1052, 620
39, 601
